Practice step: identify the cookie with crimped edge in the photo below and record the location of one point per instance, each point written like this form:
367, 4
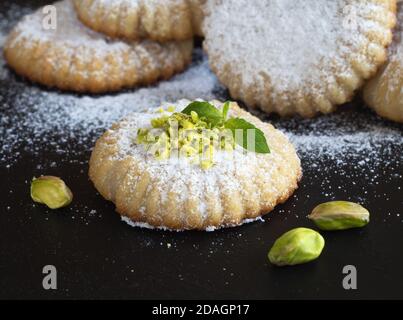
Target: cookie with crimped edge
75, 58
181, 195
384, 93
158, 20
297, 57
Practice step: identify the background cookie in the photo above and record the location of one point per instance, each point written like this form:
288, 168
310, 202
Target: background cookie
297, 57
384, 93
183, 195
73, 57
198, 15
159, 20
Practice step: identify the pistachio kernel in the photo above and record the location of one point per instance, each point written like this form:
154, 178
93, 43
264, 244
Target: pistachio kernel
297, 246
339, 215
51, 191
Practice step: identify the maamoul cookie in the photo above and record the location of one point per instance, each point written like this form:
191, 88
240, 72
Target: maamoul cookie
159, 20
205, 185
384, 93
297, 57
197, 7
72, 57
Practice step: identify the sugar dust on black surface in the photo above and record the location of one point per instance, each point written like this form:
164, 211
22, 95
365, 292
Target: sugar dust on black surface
349, 155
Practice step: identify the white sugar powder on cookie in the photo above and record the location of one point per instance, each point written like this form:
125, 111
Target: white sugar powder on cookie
291, 56
357, 147
72, 57
68, 30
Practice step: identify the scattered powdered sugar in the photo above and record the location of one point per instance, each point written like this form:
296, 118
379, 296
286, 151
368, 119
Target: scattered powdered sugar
7, 19
68, 29
33, 115
150, 227
354, 145
329, 140
40, 115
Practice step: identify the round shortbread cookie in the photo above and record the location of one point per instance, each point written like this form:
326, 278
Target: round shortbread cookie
180, 195
158, 20
297, 57
73, 57
384, 93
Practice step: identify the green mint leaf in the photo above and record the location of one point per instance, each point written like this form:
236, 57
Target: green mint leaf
205, 111
235, 124
225, 110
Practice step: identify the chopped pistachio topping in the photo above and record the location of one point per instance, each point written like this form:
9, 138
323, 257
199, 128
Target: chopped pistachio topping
197, 132
187, 135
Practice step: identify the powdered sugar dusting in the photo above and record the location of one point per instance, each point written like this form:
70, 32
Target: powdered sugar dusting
7, 20
42, 113
208, 229
296, 57
296, 44
356, 146
70, 56
69, 30
235, 173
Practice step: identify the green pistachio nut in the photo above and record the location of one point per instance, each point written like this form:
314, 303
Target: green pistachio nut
297, 246
339, 215
51, 191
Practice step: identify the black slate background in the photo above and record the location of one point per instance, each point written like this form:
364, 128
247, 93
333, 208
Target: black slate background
100, 257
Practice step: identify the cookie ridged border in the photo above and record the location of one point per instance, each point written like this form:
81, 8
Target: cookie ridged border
175, 21
362, 65
113, 177
87, 69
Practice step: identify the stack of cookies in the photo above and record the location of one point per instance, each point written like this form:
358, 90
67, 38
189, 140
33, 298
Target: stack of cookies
289, 57
298, 57
384, 93
283, 56
104, 45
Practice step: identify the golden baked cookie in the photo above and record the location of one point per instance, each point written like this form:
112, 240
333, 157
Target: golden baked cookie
197, 7
384, 93
205, 187
158, 20
73, 57
297, 57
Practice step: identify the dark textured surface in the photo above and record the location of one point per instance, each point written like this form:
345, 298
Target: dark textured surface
97, 256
